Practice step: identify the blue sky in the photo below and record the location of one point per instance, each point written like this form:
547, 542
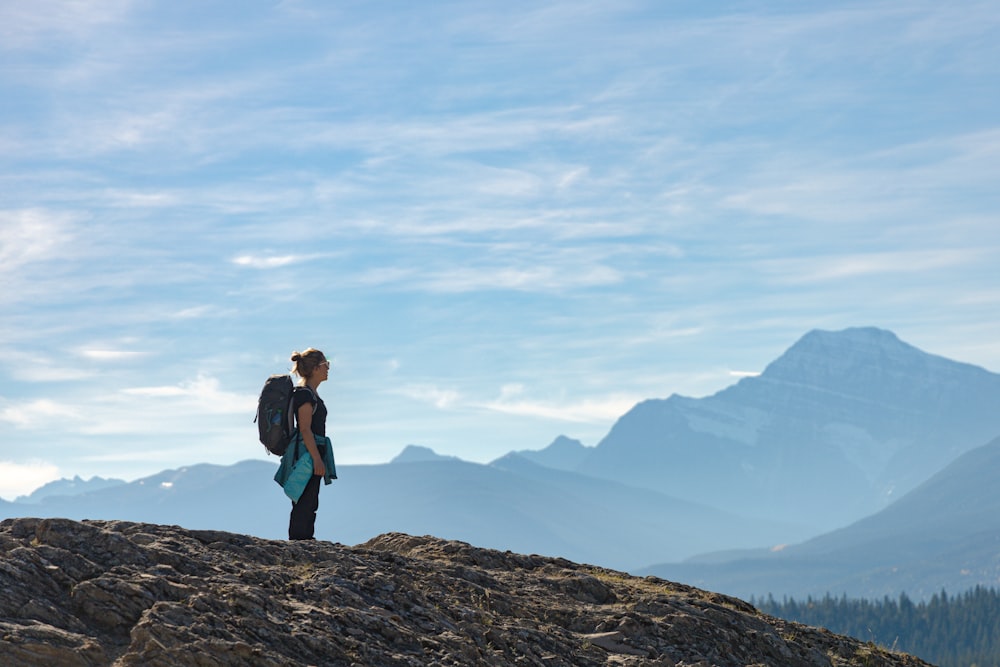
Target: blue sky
502, 221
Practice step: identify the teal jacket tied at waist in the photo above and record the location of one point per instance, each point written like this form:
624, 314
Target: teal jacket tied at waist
297, 466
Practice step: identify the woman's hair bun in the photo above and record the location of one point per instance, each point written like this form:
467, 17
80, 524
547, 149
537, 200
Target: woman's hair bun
306, 362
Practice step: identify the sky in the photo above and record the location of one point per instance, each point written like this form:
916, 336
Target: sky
502, 222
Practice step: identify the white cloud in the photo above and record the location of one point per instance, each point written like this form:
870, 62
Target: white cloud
602, 410
261, 262
110, 355
31, 235
442, 399
203, 393
511, 390
277, 261
523, 279
18, 479
194, 312
841, 267
38, 414
134, 411
570, 178
141, 199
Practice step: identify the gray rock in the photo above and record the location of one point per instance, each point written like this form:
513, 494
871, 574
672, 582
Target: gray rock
119, 593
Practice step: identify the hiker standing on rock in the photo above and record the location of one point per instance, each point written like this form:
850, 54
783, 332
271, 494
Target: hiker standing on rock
309, 457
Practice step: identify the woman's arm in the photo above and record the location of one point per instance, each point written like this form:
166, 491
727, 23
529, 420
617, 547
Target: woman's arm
305, 428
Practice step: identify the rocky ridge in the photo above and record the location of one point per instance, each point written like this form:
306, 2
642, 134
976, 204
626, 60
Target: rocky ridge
121, 593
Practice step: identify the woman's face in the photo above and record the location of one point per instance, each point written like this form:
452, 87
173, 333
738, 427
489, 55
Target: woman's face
323, 370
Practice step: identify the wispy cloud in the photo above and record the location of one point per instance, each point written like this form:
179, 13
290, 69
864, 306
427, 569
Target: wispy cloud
111, 355
514, 400
439, 397
842, 267
894, 185
163, 410
266, 262
602, 410
29, 236
18, 479
31, 26
203, 394
38, 413
527, 279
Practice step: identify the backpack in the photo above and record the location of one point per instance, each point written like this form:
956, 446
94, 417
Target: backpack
275, 421
275, 418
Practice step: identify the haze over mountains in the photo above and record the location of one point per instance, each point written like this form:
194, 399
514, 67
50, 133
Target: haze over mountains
945, 534
831, 432
511, 504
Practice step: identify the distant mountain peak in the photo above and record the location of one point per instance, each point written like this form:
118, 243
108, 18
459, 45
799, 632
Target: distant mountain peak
857, 337
864, 337
849, 346
852, 358
68, 487
563, 453
565, 444
417, 453
855, 333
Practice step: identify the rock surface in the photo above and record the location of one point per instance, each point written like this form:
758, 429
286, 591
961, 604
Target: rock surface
121, 593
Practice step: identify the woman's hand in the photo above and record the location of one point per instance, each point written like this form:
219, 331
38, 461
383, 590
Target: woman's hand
318, 467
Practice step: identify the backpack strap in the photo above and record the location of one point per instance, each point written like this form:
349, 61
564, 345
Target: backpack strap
293, 415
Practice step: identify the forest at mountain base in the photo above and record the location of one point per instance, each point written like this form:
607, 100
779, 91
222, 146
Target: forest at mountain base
950, 631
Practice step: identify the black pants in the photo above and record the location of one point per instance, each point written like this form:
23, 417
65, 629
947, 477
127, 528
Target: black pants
302, 522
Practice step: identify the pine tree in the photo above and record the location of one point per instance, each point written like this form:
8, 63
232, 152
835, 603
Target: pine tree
959, 631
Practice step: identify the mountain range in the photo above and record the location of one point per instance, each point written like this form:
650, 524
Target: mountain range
509, 504
832, 431
843, 428
943, 535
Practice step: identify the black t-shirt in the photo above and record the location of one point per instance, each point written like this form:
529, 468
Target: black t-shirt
303, 395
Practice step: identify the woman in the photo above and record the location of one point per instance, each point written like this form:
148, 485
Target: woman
309, 409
